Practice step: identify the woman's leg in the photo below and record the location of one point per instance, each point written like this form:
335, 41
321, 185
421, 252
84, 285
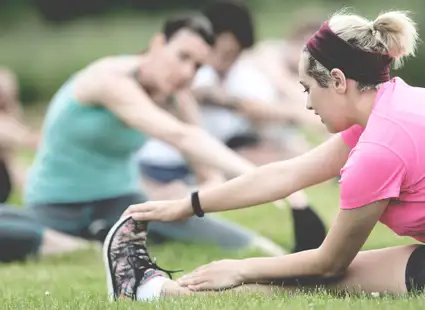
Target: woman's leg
24, 236
309, 230
392, 270
382, 270
162, 183
123, 249
216, 231
21, 239
208, 230
55, 243
387, 270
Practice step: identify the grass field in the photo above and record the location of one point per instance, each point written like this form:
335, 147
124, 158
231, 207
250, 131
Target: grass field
77, 281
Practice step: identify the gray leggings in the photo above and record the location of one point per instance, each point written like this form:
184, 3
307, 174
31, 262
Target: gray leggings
23, 228
209, 229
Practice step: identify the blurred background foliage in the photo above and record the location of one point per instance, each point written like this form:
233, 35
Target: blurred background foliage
45, 41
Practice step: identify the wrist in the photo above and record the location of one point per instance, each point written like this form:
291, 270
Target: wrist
196, 204
187, 207
244, 271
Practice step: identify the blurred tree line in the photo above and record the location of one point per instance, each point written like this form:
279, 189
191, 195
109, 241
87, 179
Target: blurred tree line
65, 10
40, 80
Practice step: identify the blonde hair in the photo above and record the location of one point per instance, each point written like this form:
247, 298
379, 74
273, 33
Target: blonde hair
391, 33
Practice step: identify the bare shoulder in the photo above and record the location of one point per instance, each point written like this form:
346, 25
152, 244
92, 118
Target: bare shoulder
87, 81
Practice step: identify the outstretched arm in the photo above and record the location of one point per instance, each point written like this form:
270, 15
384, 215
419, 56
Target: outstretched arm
364, 198
265, 184
14, 134
124, 97
277, 180
188, 111
344, 241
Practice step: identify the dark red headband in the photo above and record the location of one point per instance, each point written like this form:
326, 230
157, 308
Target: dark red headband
362, 66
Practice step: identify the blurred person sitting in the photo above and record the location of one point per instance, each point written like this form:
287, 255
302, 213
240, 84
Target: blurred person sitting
165, 172
85, 175
14, 135
278, 61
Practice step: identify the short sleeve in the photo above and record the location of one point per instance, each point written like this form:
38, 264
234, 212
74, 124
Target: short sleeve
372, 172
352, 135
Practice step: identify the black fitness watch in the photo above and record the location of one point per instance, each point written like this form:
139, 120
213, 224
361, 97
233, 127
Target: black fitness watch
196, 204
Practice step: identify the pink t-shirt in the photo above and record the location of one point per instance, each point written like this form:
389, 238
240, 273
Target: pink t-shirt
387, 159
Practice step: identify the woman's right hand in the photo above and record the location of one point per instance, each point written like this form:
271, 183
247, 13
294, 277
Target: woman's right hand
163, 210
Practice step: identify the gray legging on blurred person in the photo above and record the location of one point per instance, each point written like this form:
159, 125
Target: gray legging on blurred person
21, 230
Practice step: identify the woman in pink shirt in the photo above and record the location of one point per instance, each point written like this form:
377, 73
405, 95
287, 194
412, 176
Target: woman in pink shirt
379, 150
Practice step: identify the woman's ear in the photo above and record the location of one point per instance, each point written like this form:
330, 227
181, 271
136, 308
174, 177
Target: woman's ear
339, 82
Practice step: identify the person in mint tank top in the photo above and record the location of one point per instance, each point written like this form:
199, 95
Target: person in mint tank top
84, 174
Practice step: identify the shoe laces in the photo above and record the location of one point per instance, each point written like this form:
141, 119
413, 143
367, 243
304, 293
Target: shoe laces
140, 261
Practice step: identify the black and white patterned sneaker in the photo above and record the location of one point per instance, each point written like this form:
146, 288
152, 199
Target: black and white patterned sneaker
127, 260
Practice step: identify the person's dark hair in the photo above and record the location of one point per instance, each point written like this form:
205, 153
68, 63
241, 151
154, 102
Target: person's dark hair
232, 16
194, 22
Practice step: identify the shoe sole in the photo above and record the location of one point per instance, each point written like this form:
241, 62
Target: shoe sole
106, 256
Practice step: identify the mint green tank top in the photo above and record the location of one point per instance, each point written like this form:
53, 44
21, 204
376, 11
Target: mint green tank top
86, 154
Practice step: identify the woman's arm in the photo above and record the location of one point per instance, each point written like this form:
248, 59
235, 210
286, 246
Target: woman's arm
124, 97
374, 175
188, 111
344, 240
14, 134
187, 108
9, 93
277, 180
17, 169
348, 234
211, 94
265, 184
287, 112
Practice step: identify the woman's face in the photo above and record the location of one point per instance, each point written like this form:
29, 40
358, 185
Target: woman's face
225, 52
174, 63
330, 103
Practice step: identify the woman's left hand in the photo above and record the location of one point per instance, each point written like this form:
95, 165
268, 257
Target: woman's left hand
214, 276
